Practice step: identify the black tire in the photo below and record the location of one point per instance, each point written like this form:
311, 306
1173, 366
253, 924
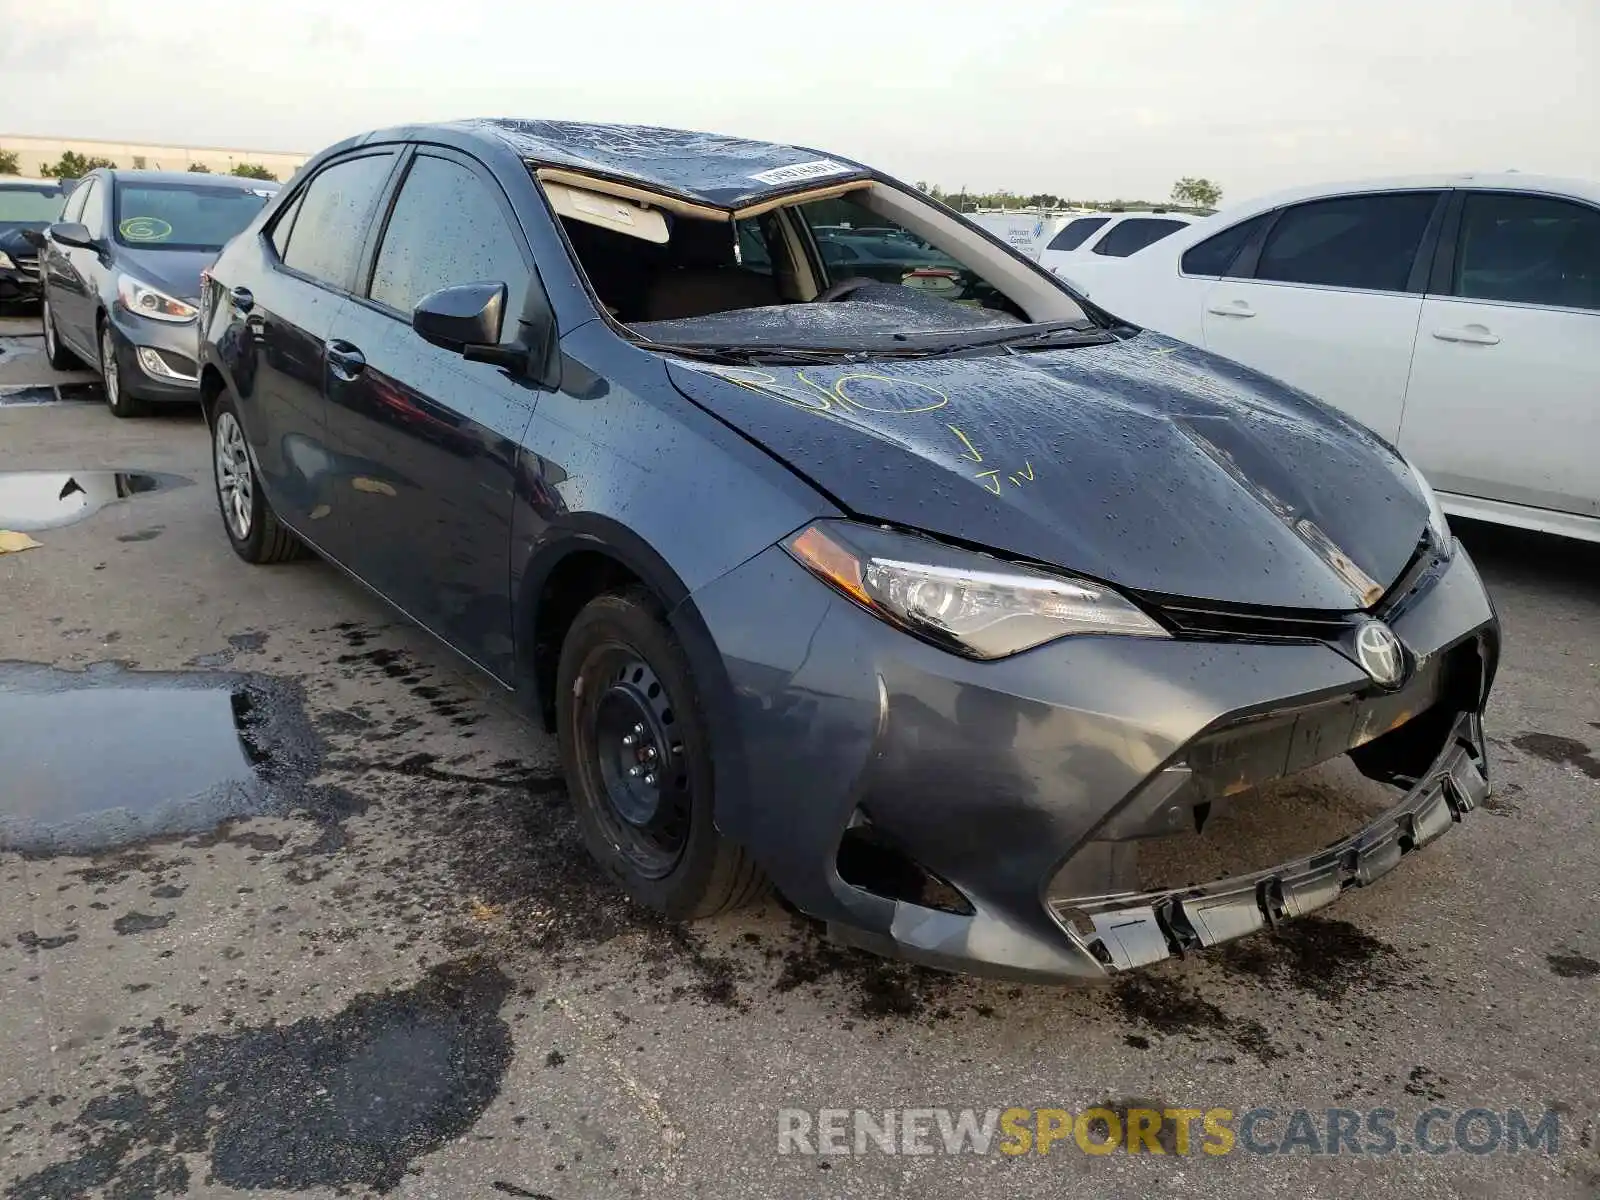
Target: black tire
57, 355
261, 538
118, 400
621, 640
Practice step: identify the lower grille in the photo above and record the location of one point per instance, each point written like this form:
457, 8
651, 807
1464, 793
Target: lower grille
1130, 930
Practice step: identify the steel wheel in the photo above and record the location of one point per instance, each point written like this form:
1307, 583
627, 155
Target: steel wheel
235, 481
636, 749
639, 755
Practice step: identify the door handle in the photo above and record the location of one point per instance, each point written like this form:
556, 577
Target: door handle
346, 360
1474, 334
242, 298
1233, 308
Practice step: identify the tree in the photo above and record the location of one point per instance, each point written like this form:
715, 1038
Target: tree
199, 169
9, 164
72, 165
253, 171
1196, 192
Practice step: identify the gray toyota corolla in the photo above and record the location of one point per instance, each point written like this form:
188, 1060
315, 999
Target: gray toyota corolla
929, 598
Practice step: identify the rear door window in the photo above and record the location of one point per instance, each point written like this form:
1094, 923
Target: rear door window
331, 226
447, 228
1368, 242
751, 242
1528, 250
1074, 233
1135, 234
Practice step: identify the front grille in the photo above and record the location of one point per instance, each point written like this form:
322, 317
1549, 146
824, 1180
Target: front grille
28, 266
1205, 621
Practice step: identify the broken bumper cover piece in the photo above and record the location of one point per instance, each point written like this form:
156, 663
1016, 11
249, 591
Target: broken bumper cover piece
1128, 931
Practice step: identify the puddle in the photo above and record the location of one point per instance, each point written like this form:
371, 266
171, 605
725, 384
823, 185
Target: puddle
34, 500
97, 759
32, 395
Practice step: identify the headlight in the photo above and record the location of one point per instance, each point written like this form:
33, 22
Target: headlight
5, 261
1438, 527
146, 301
969, 603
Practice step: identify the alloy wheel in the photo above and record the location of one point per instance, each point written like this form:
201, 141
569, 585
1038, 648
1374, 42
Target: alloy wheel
108, 368
235, 480
49, 331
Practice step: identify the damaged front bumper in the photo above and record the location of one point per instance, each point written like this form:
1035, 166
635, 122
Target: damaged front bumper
1127, 931
984, 816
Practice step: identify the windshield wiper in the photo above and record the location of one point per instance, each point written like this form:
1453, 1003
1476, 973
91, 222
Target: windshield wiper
751, 355
899, 345
1064, 333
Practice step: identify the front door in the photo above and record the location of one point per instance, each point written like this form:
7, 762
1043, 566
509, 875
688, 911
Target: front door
316, 242
70, 272
426, 441
1331, 305
1504, 400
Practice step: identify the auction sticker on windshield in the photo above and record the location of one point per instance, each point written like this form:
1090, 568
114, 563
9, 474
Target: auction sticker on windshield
800, 172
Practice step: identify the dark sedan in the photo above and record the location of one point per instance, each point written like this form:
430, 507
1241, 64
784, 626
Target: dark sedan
928, 613
121, 273
27, 206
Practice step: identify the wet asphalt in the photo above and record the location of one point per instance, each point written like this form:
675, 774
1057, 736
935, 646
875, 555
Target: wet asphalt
303, 912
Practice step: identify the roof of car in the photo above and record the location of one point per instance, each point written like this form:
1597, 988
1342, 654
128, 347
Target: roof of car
1150, 214
198, 177
29, 181
1508, 180
708, 168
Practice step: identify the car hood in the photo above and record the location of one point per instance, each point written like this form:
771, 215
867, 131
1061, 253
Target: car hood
176, 272
12, 240
1146, 463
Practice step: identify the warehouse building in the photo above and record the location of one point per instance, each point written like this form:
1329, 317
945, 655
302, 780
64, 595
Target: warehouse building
34, 153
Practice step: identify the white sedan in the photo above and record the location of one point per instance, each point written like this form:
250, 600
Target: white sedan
1456, 315
1087, 244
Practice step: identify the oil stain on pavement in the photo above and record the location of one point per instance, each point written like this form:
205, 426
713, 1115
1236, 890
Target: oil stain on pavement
339, 1102
1563, 751
108, 756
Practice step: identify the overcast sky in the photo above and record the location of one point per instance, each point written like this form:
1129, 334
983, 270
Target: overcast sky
1085, 98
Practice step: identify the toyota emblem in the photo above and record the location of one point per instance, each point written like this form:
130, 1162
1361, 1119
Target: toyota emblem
1380, 654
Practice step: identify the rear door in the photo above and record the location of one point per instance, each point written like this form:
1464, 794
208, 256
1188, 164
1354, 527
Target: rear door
316, 243
1330, 299
1504, 398
427, 441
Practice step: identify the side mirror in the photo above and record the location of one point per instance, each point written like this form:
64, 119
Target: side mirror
71, 233
454, 318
